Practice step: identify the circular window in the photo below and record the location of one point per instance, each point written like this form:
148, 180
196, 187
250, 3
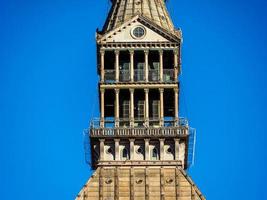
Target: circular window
138, 32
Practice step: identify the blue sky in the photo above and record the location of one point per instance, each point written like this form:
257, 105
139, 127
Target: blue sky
48, 94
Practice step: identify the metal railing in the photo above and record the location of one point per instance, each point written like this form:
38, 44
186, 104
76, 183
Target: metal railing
168, 75
138, 122
124, 75
139, 75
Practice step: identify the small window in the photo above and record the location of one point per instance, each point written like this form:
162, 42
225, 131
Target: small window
154, 154
124, 154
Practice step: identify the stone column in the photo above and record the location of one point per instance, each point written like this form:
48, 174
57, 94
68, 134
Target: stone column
117, 107
146, 107
117, 63
161, 92
161, 65
161, 148
131, 65
175, 55
132, 107
102, 65
117, 149
176, 117
147, 149
131, 149
146, 64
101, 149
177, 143
102, 108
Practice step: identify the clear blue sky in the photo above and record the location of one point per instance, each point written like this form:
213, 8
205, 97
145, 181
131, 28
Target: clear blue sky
48, 89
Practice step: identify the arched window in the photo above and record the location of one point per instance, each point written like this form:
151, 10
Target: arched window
124, 154
154, 154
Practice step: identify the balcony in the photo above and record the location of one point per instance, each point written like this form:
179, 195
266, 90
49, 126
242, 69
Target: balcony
139, 75
140, 128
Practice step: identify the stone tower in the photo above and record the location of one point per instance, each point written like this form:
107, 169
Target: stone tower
139, 145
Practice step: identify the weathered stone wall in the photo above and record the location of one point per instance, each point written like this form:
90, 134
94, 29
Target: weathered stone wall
139, 183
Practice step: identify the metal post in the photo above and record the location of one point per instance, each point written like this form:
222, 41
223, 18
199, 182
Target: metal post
161, 92
175, 54
161, 65
117, 107
146, 107
176, 106
102, 108
132, 107
102, 65
131, 65
146, 64
117, 63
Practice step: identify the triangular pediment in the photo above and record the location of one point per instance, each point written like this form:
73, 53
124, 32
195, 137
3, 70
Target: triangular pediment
125, 33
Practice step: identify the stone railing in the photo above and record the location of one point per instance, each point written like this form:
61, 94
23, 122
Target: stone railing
139, 132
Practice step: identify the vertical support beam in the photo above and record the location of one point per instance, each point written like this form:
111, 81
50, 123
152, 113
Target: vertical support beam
146, 64
102, 108
131, 148
117, 107
161, 65
177, 143
132, 107
175, 58
117, 149
101, 149
161, 92
102, 65
161, 147
146, 107
117, 63
131, 65
176, 112
147, 149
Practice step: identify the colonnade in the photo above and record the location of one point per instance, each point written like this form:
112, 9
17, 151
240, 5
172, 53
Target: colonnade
146, 66
131, 114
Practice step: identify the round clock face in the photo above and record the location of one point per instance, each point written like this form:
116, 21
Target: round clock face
138, 32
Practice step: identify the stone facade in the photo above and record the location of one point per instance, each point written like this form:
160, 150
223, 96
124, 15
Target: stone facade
139, 144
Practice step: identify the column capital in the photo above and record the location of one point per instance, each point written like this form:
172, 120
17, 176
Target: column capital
176, 139
131, 139
146, 139
176, 90
161, 90
102, 51
131, 90
175, 51
117, 51
160, 52
146, 51
116, 140
161, 139
117, 91
102, 90
131, 51
146, 90
101, 140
